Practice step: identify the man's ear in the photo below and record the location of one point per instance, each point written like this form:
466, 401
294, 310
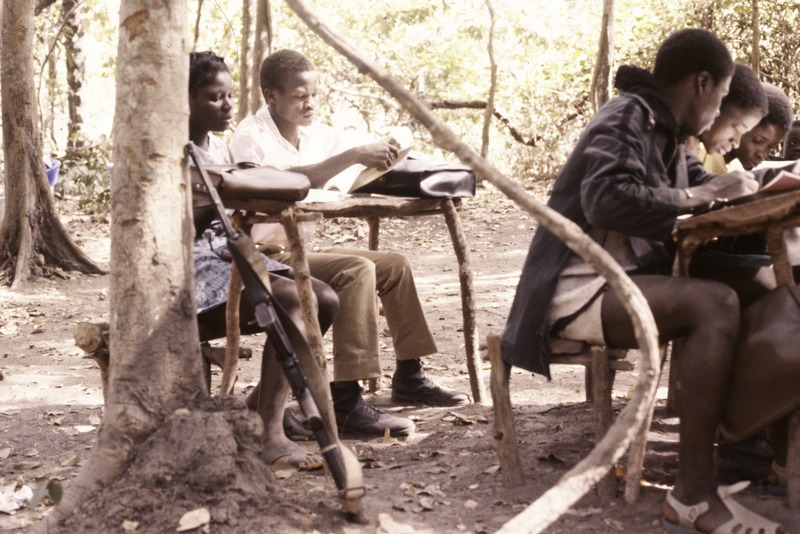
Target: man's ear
704, 83
268, 97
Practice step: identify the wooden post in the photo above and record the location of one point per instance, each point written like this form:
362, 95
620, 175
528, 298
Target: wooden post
231, 332
601, 399
374, 224
467, 301
504, 437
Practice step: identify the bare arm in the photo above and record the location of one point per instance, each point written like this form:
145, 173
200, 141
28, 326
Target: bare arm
379, 155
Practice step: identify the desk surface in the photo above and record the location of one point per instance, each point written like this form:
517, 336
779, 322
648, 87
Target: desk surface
753, 216
351, 206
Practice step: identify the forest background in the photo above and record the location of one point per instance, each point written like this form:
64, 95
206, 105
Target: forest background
534, 63
545, 53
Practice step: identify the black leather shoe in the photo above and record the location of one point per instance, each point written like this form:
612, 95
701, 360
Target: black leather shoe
366, 420
416, 388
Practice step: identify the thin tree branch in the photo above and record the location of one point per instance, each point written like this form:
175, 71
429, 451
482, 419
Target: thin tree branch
545, 510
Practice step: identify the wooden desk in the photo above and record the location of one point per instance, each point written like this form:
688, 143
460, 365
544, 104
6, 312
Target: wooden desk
770, 215
373, 209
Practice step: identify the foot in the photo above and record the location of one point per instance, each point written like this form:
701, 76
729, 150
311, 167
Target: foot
366, 420
702, 518
291, 456
410, 385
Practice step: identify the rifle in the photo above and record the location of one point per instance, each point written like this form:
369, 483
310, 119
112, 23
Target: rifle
256, 283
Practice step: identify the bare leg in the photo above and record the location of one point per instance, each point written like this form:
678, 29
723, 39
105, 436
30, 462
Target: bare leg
706, 314
270, 395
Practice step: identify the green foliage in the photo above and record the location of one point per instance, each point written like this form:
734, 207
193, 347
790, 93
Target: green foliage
85, 175
545, 51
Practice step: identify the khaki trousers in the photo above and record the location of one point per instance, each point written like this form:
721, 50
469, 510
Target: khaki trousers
356, 275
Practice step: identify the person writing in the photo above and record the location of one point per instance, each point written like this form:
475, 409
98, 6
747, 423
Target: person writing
625, 184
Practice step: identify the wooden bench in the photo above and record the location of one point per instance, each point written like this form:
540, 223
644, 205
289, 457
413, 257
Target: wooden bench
601, 364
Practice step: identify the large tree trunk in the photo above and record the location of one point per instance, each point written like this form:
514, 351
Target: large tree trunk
162, 439
32, 239
76, 67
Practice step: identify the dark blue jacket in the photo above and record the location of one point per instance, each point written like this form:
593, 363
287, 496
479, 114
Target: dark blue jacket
625, 174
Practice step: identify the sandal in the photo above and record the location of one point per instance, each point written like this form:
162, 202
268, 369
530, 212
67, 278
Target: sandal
743, 520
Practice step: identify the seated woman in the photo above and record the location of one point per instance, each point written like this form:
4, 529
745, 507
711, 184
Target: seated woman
625, 184
211, 110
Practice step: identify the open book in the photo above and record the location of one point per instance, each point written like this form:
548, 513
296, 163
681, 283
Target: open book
784, 180
347, 182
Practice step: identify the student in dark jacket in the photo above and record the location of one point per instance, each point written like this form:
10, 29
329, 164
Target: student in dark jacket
625, 184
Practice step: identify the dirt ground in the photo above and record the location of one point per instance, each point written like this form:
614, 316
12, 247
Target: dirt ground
443, 479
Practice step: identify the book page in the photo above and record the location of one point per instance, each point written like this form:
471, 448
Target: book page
351, 179
783, 181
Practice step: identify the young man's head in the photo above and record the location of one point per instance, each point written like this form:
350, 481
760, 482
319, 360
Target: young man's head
741, 109
791, 145
757, 144
210, 93
694, 68
290, 87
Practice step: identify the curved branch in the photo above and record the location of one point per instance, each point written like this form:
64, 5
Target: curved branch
579, 479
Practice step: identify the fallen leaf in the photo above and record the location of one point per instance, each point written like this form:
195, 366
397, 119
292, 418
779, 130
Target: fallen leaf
427, 503
492, 470
26, 466
5, 453
130, 526
470, 504
72, 462
194, 519
84, 428
94, 419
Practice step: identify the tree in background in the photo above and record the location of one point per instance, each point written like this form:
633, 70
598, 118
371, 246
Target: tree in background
32, 239
76, 68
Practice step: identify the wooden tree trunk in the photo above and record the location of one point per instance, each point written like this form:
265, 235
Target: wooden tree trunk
76, 67
755, 60
32, 239
162, 436
601, 77
246, 47
262, 44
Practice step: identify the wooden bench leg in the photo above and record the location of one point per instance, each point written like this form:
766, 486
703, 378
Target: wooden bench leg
601, 395
504, 437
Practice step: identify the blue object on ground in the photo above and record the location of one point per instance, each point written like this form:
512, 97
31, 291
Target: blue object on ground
52, 166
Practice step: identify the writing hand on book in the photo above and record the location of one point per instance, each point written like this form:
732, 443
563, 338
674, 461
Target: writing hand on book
721, 188
380, 155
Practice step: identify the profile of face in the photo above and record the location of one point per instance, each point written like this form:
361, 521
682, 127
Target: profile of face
296, 101
791, 145
728, 128
211, 107
706, 99
758, 144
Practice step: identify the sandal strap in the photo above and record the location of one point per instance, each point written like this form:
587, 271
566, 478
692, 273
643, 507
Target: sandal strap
687, 515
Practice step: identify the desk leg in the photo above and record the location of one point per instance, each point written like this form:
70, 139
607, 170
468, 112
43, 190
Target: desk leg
467, 301
374, 225
317, 381
793, 462
232, 335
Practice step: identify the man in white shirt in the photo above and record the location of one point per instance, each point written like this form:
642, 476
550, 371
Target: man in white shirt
284, 135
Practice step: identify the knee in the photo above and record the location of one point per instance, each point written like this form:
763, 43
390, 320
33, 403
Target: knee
327, 303
358, 271
717, 307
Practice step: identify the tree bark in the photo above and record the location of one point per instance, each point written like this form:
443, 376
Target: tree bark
262, 45
32, 239
245, 68
755, 61
487, 115
76, 68
575, 483
601, 76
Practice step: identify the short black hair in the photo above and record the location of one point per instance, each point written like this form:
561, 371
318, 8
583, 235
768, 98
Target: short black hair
691, 51
277, 66
795, 124
203, 68
780, 111
746, 91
